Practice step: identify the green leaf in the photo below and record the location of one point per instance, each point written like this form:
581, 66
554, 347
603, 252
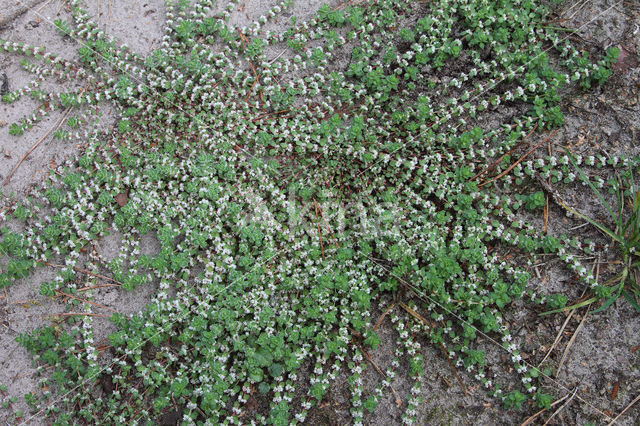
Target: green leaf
256, 374
631, 301
276, 369
610, 300
543, 400
263, 357
602, 200
264, 388
514, 400
372, 340
15, 129
370, 404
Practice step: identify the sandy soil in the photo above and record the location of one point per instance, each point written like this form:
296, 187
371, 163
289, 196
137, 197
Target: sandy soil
597, 359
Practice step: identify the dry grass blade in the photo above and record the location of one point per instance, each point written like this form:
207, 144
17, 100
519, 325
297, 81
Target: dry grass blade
555, 413
580, 6
426, 297
384, 314
93, 287
79, 314
84, 271
558, 337
499, 160
531, 418
52, 129
573, 338
366, 354
627, 408
335, 241
24, 157
97, 305
521, 159
22, 8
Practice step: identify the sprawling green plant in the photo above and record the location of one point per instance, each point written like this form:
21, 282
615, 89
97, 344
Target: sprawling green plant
625, 234
289, 195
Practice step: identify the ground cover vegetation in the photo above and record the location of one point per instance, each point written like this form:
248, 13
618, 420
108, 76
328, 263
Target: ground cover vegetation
290, 196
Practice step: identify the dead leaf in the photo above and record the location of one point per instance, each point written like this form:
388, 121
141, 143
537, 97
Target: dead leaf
251, 404
122, 198
107, 384
149, 12
614, 391
626, 61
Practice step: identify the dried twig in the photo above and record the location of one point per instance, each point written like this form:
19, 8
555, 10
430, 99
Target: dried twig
615, 419
255, 81
573, 338
24, 157
269, 114
534, 416
562, 407
274, 59
335, 241
52, 129
578, 6
556, 197
85, 301
23, 7
521, 159
395, 394
596, 267
558, 337
92, 287
86, 314
84, 271
499, 160
106, 22
384, 314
